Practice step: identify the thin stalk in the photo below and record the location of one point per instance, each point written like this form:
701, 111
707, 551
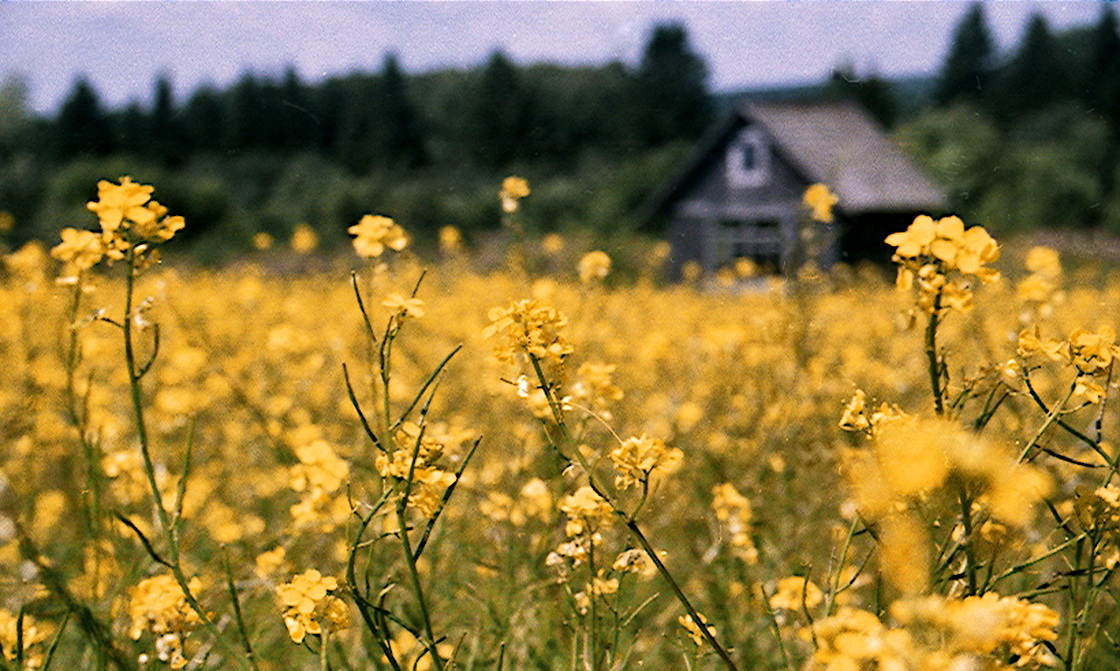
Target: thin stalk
55, 641
1051, 417
777, 629
835, 580
241, 628
414, 577
169, 529
593, 630
966, 522
935, 366
631, 523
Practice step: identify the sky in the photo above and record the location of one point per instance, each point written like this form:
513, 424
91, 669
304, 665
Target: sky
122, 46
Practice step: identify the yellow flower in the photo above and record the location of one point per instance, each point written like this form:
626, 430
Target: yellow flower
552, 244
693, 628
303, 597
117, 202
1044, 261
585, 505
820, 200
796, 593
33, 634
374, 233
513, 190
594, 266
638, 457
81, 249
304, 239
529, 327
450, 239
1093, 352
408, 307
916, 239
262, 241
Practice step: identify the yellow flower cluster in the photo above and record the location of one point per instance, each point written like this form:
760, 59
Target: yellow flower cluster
594, 387
733, 510
1101, 510
820, 201
308, 601
373, 234
34, 634
914, 456
939, 634
693, 628
594, 266
639, 456
911, 459
318, 477
159, 605
941, 256
1091, 354
128, 217
428, 481
512, 191
528, 326
858, 417
585, 510
534, 502
1041, 286
796, 594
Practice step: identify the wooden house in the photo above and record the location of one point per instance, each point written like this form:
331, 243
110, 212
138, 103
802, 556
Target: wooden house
739, 195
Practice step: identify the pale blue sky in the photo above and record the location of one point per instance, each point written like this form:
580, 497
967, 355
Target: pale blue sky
121, 46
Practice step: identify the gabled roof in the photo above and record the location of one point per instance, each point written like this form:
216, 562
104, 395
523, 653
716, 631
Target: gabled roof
834, 142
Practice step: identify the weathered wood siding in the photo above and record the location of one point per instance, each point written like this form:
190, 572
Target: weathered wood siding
697, 221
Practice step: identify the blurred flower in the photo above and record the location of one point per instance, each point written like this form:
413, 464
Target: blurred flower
304, 239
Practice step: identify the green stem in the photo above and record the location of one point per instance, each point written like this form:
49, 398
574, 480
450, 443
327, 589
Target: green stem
968, 542
1050, 419
414, 576
170, 530
931, 354
631, 523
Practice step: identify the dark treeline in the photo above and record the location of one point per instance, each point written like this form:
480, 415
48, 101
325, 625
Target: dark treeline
266, 153
1030, 137
1025, 138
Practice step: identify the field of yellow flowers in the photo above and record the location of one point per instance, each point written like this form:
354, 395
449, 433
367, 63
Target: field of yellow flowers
417, 466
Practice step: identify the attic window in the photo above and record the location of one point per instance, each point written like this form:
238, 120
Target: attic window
748, 161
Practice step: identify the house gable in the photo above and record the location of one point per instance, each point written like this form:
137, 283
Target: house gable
739, 194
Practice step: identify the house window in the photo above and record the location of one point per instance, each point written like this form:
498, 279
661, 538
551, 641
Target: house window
748, 160
759, 241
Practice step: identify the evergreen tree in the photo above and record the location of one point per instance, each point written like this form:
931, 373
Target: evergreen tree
872, 92
496, 118
1036, 76
164, 136
81, 127
15, 119
403, 142
966, 72
203, 117
1102, 77
297, 121
242, 119
357, 144
671, 91
130, 131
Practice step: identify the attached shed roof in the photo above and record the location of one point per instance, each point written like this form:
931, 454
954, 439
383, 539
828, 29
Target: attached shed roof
834, 142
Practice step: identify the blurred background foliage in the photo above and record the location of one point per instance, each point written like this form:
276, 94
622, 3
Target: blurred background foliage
1022, 140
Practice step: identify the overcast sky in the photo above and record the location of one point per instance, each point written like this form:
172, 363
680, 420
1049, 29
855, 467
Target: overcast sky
121, 46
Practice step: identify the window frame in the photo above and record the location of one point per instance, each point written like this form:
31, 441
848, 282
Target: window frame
758, 175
